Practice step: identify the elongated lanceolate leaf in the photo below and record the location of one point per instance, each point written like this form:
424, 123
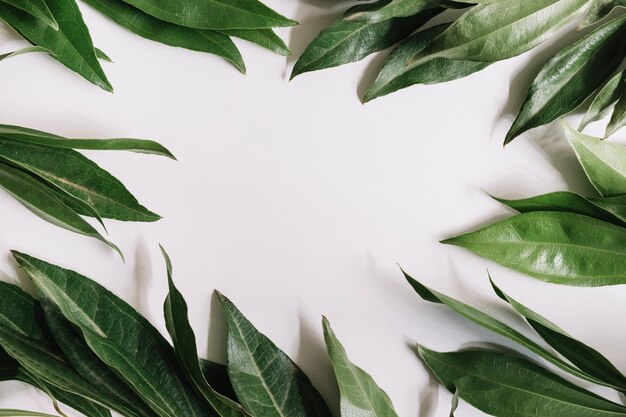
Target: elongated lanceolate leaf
171, 34
267, 382
214, 14
360, 395
349, 41
565, 201
36, 8
43, 138
78, 176
571, 76
184, 339
123, 339
495, 31
71, 44
25, 337
42, 201
604, 162
601, 9
584, 357
607, 96
265, 38
5, 412
490, 323
401, 71
505, 384
618, 118
89, 366
563, 248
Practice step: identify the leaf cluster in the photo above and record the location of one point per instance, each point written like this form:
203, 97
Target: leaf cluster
485, 32
90, 350
57, 27
47, 174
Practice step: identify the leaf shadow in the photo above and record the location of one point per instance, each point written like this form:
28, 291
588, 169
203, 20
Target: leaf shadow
429, 395
327, 12
218, 332
313, 359
143, 277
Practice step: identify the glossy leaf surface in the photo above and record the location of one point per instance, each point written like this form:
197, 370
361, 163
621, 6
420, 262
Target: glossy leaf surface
265, 38
571, 76
266, 381
71, 44
123, 339
601, 9
562, 248
36, 8
505, 384
604, 162
360, 395
184, 339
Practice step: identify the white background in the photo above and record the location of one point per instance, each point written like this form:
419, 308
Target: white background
296, 200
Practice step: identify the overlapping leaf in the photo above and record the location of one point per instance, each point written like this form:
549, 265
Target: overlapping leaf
571, 76
266, 381
607, 96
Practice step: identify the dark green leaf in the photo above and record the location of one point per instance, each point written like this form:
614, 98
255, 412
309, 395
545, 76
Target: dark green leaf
262, 37
562, 248
78, 176
89, 366
606, 97
171, 34
43, 138
360, 395
604, 162
505, 384
503, 29
216, 375
214, 14
571, 76
349, 41
71, 44
266, 381
582, 356
123, 339
565, 201
42, 201
36, 8
177, 321
400, 70
488, 322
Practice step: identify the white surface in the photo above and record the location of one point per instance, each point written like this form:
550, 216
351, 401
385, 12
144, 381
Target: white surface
295, 200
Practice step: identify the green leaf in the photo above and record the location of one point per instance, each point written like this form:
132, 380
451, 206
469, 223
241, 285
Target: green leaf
349, 41
505, 384
167, 33
360, 395
565, 201
214, 14
43, 202
500, 30
571, 76
262, 37
604, 162
177, 322
24, 336
71, 44
29, 49
601, 105
563, 248
490, 323
43, 138
618, 118
266, 381
216, 375
36, 8
582, 356
601, 9
89, 366
123, 339
400, 70
78, 176
5, 412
